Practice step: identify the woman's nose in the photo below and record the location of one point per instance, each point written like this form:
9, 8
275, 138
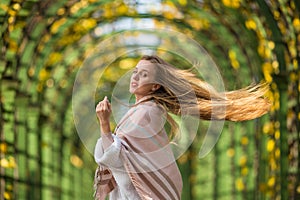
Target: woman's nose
135, 77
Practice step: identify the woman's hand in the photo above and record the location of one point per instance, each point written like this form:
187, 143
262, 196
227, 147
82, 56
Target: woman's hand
103, 111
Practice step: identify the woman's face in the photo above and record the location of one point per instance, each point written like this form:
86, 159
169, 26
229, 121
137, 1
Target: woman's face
142, 80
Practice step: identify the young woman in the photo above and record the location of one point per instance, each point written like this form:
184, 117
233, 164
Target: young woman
136, 162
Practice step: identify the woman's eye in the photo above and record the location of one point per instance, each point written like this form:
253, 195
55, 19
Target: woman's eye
144, 74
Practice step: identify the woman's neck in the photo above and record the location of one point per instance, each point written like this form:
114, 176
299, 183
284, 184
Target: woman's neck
137, 98
141, 98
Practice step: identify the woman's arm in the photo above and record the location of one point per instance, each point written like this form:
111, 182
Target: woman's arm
103, 111
107, 149
107, 138
110, 157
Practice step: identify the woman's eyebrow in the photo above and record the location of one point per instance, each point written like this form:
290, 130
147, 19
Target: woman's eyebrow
136, 68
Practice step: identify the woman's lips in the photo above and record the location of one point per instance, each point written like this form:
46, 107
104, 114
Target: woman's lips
133, 84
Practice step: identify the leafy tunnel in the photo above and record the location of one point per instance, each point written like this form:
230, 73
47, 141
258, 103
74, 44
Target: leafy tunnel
45, 43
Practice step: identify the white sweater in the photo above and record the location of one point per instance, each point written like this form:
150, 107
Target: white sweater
110, 157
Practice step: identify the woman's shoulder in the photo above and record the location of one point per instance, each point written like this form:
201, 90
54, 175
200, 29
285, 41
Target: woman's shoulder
147, 111
143, 116
150, 106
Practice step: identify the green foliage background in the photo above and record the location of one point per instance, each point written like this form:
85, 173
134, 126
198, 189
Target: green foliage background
44, 43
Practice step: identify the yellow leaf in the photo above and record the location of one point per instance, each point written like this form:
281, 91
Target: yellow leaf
232, 54
122, 9
43, 75
295, 63
31, 71
12, 162
40, 87
271, 181
271, 44
4, 7
234, 62
267, 66
55, 26
195, 23
270, 145
244, 171
267, 69
88, 24
16, 6
298, 189
277, 123
183, 159
107, 11
243, 161
264, 49
4, 163
231, 3
168, 15
170, 3
244, 140
292, 48
76, 161
293, 77
63, 83
250, 24
230, 152
296, 24
182, 2
276, 15
77, 6
239, 184
54, 58
3, 147
277, 153
277, 134
127, 63
268, 127
275, 66
7, 195
61, 11
12, 12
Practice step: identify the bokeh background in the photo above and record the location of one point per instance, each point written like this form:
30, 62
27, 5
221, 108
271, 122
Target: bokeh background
45, 42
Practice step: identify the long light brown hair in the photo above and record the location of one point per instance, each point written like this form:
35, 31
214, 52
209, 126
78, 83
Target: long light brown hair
182, 92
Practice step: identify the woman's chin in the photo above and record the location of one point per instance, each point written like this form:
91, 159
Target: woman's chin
131, 90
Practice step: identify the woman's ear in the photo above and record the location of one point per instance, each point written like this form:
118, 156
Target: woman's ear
155, 87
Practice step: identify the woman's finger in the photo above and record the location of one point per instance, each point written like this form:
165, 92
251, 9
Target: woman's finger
99, 106
105, 106
109, 106
107, 103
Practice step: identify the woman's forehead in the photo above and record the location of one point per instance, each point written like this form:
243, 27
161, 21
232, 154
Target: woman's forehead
145, 64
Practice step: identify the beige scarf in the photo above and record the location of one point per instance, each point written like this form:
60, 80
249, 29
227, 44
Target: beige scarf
104, 182
146, 155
